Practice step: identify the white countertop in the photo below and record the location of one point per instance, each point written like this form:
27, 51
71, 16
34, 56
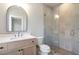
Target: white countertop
10, 39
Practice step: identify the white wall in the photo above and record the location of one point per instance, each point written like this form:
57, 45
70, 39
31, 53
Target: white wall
36, 25
36, 19
2, 18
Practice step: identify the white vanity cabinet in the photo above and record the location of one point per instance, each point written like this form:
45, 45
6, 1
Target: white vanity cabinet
21, 47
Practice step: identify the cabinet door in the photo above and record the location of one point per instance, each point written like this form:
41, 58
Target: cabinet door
29, 50
3, 49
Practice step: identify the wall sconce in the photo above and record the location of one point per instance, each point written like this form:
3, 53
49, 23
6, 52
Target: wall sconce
56, 16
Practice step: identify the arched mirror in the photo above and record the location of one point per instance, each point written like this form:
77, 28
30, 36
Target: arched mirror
17, 19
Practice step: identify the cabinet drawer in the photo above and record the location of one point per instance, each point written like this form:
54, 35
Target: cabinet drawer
29, 42
3, 48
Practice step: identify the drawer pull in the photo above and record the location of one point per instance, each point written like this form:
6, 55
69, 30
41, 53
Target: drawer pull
19, 50
1, 47
32, 41
22, 49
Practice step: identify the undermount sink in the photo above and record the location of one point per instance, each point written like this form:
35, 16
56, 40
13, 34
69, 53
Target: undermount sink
10, 39
22, 37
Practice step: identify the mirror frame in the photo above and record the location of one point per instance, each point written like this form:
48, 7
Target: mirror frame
7, 19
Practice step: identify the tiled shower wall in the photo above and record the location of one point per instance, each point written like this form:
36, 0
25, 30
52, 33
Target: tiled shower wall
50, 27
63, 32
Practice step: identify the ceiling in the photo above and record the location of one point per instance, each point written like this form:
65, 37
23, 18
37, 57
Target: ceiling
52, 5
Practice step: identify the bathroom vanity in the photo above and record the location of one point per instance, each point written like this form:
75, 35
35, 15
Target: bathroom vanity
19, 46
17, 24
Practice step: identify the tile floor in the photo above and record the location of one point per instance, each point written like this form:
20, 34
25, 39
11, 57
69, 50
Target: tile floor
59, 51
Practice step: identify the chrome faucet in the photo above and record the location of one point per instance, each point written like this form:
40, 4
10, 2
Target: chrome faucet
18, 34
